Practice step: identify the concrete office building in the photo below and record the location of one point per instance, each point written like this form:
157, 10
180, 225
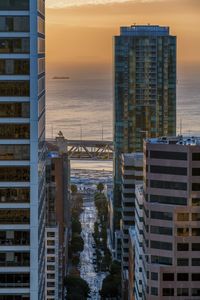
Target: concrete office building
22, 158
171, 220
57, 222
132, 174
145, 93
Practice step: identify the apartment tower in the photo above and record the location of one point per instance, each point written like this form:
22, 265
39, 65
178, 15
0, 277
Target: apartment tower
145, 93
22, 136
169, 261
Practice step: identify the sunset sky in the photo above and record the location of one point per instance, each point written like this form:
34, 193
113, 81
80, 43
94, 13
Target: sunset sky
79, 32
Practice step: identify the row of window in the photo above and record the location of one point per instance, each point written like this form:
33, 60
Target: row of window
168, 200
168, 155
15, 174
14, 131
14, 195
185, 217
186, 232
168, 170
169, 185
185, 246
14, 24
14, 45
14, 67
14, 110
14, 280
14, 5
17, 216
14, 152
168, 216
14, 259
181, 276
161, 245
15, 88
11, 237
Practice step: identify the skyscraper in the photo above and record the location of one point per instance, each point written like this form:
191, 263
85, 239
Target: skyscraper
145, 93
22, 155
168, 230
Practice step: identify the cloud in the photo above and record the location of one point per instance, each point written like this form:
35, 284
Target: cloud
72, 3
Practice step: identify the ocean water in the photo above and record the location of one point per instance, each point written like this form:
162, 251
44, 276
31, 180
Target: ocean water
82, 107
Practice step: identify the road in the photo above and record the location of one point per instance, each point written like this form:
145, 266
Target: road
87, 257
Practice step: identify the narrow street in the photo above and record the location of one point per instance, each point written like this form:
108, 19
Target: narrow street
88, 256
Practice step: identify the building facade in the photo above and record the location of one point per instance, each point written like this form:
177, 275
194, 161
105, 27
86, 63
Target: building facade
145, 93
22, 159
57, 223
171, 220
132, 174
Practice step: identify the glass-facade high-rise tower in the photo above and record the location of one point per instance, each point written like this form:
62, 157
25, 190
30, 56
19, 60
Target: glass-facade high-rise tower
145, 93
22, 137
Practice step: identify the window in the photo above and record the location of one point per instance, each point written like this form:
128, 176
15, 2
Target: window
168, 155
15, 88
161, 215
182, 292
182, 231
14, 110
195, 231
14, 238
196, 277
14, 67
50, 276
154, 276
196, 292
183, 247
182, 262
41, 45
50, 251
15, 195
182, 217
14, 131
196, 217
168, 292
195, 201
195, 171
162, 260
14, 280
9, 259
161, 245
196, 262
195, 246
14, 5
169, 185
14, 152
168, 170
14, 45
154, 291
195, 156
168, 276
196, 186
14, 24
182, 276
14, 174
17, 216
168, 200
51, 234
161, 230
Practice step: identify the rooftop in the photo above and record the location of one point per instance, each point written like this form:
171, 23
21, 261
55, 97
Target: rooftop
178, 140
144, 30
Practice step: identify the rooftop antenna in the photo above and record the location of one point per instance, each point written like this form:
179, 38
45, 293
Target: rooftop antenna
81, 133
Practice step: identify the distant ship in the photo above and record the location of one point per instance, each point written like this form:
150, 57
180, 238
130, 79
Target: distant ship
61, 77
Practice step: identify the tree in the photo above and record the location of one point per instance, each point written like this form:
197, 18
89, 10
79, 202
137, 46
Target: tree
77, 244
74, 188
100, 187
77, 288
76, 226
112, 283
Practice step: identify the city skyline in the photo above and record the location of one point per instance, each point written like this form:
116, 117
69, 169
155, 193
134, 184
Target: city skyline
91, 27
